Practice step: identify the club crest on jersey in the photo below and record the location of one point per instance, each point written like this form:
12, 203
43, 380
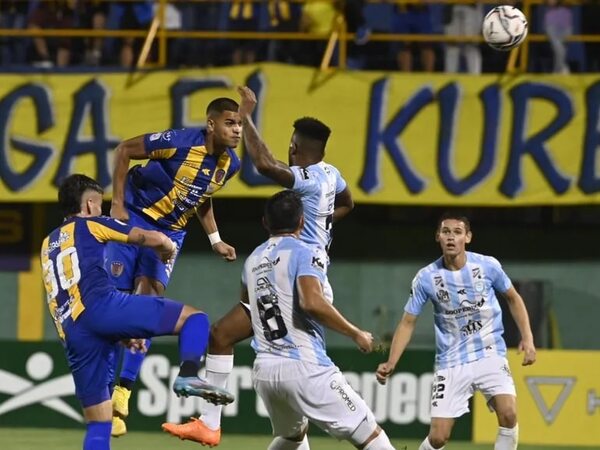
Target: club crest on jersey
219, 175
116, 268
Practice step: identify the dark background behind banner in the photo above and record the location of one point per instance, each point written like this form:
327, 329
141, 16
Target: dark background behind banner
15, 236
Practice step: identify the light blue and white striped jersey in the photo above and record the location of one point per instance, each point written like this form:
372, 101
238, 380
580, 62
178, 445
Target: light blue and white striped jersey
318, 185
467, 315
281, 327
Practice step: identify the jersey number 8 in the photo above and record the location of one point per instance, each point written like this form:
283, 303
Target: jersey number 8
270, 317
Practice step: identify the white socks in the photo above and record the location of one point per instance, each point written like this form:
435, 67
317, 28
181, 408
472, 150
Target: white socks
381, 442
280, 443
507, 438
425, 445
218, 368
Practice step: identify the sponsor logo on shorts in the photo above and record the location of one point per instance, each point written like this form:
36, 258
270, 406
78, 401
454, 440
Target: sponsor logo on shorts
506, 370
343, 394
116, 268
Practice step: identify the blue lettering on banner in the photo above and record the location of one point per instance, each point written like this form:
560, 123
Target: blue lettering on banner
449, 100
388, 137
535, 145
589, 182
90, 99
41, 154
180, 93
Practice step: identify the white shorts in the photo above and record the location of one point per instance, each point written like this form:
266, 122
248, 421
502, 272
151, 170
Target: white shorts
295, 392
453, 387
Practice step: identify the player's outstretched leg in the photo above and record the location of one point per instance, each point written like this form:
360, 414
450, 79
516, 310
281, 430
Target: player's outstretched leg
232, 328
193, 340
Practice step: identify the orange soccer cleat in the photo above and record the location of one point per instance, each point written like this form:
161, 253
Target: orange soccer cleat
195, 430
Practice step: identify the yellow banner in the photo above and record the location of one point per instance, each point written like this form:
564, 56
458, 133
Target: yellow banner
558, 400
397, 138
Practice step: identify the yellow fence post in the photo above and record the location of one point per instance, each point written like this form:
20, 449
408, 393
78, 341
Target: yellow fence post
30, 307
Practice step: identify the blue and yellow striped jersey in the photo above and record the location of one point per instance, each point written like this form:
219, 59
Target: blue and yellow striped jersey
179, 176
72, 259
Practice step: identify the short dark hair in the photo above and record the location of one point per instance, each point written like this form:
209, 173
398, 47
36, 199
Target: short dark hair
221, 104
71, 190
312, 128
455, 215
283, 212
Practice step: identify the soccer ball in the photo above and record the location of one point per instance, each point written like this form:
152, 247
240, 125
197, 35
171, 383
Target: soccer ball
504, 28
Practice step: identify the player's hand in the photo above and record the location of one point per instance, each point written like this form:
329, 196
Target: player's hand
119, 212
247, 101
135, 345
168, 252
364, 341
225, 250
528, 350
384, 370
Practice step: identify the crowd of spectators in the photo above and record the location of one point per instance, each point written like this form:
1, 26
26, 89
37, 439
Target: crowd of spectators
558, 19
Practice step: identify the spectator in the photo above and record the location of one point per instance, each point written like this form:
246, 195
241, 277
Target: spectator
131, 16
317, 17
244, 16
463, 20
13, 14
558, 24
199, 16
54, 14
413, 19
284, 16
92, 14
590, 18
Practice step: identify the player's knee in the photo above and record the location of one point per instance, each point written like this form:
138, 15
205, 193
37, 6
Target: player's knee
379, 440
148, 286
221, 339
507, 418
295, 443
364, 433
439, 438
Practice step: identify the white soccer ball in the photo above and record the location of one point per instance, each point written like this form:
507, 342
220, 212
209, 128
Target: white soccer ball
504, 28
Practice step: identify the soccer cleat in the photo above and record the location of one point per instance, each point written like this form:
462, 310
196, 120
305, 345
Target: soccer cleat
120, 401
195, 430
186, 386
119, 428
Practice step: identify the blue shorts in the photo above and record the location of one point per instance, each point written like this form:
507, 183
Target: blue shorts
91, 342
124, 263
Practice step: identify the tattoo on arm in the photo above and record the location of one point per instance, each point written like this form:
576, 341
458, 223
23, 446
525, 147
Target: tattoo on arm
141, 239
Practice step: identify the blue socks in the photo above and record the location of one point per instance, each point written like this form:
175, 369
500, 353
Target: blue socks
193, 340
132, 362
97, 436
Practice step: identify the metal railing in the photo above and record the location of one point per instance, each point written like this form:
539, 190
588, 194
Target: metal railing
518, 60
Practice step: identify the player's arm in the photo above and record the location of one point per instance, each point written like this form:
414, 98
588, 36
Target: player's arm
165, 247
133, 148
314, 303
518, 311
206, 216
261, 156
343, 205
402, 337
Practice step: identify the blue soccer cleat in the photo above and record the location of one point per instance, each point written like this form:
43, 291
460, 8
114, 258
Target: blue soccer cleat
197, 387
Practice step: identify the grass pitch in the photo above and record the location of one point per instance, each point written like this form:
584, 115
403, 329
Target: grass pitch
54, 439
